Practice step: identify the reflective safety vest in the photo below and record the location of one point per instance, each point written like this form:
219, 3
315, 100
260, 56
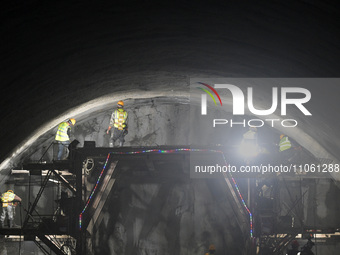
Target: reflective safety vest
7, 198
62, 132
120, 117
250, 135
285, 144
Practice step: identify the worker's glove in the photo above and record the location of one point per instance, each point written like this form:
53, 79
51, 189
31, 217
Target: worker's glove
125, 132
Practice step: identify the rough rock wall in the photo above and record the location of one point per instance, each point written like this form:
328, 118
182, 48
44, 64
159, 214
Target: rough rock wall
150, 124
181, 217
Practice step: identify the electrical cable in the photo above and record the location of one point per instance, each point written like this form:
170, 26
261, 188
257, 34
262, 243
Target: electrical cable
165, 152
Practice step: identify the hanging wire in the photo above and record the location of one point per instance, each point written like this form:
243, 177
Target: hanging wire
165, 152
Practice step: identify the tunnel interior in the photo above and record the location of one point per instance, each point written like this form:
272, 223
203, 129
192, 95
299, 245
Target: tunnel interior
77, 60
156, 206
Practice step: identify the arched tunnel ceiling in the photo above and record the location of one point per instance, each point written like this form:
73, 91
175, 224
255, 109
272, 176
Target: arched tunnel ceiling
57, 57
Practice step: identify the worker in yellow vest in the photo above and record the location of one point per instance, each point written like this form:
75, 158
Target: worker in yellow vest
118, 124
63, 136
211, 249
8, 199
285, 147
249, 148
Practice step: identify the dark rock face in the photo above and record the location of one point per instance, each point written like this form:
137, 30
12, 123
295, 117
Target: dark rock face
167, 212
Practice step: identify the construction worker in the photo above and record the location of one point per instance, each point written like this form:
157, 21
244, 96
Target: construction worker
63, 136
251, 135
211, 249
8, 199
118, 122
285, 147
249, 146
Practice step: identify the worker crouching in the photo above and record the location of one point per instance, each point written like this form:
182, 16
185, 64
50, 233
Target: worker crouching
8, 199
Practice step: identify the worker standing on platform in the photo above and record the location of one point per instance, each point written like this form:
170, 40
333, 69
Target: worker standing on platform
63, 136
286, 149
249, 148
8, 199
118, 124
211, 249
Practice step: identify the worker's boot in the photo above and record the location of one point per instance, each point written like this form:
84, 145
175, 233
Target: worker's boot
121, 144
10, 223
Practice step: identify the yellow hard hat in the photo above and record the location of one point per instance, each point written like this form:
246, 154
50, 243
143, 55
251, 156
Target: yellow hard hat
120, 103
211, 247
11, 191
73, 121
